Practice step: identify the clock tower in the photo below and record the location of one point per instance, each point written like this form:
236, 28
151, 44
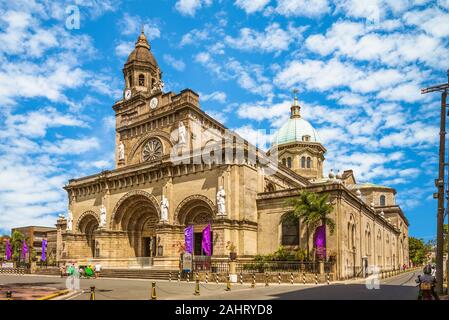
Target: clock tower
141, 71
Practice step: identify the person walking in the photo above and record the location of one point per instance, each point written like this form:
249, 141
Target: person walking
97, 270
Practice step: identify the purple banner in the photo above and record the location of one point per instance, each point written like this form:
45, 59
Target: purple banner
188, 238
24, 249
206, 243
320, 241
8, 250
44, 250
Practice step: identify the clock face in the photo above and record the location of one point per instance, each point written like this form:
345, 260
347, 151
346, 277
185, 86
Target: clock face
127, 94
153, 103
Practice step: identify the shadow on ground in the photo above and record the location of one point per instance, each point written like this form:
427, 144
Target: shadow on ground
351, 292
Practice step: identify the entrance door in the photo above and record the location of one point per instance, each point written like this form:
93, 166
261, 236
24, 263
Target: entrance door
197, 244
149, 246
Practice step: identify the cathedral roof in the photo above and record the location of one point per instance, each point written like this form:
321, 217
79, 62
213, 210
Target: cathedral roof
296, 128
142, 51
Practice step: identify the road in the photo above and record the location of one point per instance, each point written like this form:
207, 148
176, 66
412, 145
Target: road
400, 287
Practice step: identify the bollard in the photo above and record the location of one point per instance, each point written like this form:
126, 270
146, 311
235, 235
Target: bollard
303, 278
253, 283
197, 276
316, 278
279, 278
179, 276
207, 277
216, 278
8, 295
188, 276
266, 279
291, 277
169, 277
92, 293
328, 282
153, 291
228, 283
241, 277
197, 287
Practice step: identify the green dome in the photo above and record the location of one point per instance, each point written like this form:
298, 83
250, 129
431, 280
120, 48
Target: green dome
294, 130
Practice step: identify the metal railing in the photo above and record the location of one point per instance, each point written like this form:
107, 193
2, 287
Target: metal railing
253, 266
282, 266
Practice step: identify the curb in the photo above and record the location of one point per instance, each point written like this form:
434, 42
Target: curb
54, 295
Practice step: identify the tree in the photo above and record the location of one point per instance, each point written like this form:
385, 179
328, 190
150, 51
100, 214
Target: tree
16, 244
3, 246
418, 250
313, 210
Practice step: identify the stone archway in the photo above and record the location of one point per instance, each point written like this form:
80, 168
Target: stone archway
87, 224
137, 214
197, 211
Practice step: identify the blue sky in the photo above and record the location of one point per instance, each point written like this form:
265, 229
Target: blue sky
358, 66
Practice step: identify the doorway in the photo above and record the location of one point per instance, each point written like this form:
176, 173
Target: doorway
150, 246
197, 244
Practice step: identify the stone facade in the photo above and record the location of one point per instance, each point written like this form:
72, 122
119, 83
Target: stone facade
168, 148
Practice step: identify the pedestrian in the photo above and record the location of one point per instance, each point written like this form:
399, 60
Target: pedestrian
434, 271
97, 270
62, 270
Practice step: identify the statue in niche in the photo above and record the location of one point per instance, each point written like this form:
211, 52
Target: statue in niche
69, 221
164, 209
102, 216
221, 199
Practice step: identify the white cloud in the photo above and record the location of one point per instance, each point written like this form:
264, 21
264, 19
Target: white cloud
189, 7
177, 64
123, 49
71, 146
218, 96
251, 6
195, 36
302, 8
273, 39
249, 77
132, 25
430, 20
36, 123
356, 41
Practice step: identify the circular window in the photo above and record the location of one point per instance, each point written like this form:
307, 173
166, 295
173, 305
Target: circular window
152, 150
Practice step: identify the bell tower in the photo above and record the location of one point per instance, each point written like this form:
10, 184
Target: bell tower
141, 71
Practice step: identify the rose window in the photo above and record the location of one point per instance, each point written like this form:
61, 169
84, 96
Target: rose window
152, 150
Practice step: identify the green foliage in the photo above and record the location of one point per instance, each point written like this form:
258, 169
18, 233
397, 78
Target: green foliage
311, 209
418, 250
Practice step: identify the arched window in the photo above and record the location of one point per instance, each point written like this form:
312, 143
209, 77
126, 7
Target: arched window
289, 162
141, 80
152, 83
130, 81
309, 163
303, 162
290, 233
283, 161
382, 200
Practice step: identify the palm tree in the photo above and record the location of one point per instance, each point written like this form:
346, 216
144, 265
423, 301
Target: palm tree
16, 244
313, 210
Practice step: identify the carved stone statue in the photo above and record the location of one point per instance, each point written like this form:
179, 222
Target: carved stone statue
102, 216
69, 221
164, 209
158, 86
121, 151
221, 205
182, 133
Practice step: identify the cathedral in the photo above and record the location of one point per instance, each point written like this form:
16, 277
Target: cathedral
176, 166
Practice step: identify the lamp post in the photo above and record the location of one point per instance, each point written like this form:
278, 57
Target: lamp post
439, 183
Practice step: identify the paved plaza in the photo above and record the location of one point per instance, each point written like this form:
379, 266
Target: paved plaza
400, 287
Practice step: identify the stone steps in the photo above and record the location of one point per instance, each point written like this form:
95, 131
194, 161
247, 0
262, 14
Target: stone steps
139, 274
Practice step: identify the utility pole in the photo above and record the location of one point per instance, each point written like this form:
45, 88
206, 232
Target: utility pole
439, 183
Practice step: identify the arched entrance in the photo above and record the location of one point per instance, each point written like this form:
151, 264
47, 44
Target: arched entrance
198, 211
87, 224
137, 214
